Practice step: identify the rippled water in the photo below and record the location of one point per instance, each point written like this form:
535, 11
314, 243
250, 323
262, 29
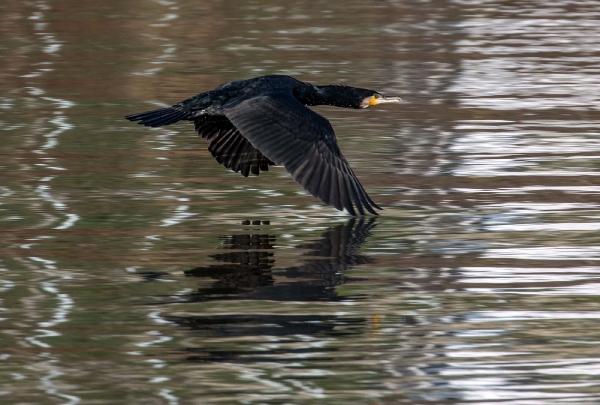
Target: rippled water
135, 269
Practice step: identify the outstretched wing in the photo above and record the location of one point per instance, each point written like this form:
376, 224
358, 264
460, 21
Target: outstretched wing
292, 135
229, 147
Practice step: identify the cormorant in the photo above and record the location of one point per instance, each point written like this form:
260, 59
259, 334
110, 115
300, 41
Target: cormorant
251, 124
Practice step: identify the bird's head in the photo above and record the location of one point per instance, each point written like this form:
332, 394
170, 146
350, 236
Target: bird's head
372, 98
345, 96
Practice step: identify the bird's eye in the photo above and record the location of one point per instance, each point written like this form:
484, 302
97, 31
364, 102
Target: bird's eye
377, 95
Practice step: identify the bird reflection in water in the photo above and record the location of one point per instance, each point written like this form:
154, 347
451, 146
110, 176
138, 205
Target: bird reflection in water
247, 266
248, 272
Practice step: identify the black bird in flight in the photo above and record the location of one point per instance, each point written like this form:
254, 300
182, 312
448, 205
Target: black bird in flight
251, 124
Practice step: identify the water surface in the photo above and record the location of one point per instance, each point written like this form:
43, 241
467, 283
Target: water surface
135, 269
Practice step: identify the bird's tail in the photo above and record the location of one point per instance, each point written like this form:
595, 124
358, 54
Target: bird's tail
158, 118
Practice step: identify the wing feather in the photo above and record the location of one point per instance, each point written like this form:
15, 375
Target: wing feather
229, 147
290, 134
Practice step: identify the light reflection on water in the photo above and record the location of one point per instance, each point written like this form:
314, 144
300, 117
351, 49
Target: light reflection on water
134, 269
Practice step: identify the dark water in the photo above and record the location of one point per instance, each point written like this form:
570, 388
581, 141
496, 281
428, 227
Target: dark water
135, 269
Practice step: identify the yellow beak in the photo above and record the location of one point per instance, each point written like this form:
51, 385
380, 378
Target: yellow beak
383, 100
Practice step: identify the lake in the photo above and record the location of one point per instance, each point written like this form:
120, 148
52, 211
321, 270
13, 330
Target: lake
134, 269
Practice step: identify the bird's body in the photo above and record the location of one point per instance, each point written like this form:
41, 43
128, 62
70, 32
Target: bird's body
251, 124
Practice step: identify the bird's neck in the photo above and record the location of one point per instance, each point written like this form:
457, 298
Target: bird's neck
322, 95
